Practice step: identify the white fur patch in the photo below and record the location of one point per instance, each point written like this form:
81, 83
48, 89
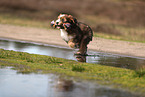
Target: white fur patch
58, 20
62, 15
65, 35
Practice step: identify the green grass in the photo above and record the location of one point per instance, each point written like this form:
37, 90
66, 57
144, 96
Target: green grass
78, 68
120, 78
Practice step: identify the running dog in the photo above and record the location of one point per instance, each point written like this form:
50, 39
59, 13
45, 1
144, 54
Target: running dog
74, 33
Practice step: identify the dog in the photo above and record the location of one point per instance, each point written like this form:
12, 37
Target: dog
75, 34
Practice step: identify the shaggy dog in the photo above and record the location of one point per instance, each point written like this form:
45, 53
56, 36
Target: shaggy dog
76, 34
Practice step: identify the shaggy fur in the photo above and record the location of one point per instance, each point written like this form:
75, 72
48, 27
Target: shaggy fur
76, 34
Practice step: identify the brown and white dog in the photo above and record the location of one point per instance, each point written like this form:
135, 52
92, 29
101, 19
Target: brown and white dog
76, 34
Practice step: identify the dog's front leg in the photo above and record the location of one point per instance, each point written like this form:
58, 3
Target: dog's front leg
71, 43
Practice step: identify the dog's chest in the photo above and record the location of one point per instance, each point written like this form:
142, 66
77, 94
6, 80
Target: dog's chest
65, 35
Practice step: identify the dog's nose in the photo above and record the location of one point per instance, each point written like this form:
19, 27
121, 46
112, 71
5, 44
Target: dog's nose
57, 23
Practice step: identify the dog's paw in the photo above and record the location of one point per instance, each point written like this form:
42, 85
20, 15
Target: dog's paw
80, 58
71, 44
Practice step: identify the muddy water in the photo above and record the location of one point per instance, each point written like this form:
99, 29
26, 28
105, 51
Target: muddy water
13, 84
67, 53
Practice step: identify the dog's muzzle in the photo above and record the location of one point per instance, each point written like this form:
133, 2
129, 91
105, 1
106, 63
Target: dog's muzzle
55, 24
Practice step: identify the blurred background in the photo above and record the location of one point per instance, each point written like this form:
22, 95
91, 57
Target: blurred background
113, 19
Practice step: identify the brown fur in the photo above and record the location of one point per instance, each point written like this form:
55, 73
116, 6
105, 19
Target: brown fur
82, 33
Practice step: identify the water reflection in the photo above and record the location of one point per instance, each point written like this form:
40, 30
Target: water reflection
70, 88
67, 53
80, 58
124, 62
64, 85
13, 84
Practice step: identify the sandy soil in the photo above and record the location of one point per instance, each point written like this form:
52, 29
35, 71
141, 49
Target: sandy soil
53, 37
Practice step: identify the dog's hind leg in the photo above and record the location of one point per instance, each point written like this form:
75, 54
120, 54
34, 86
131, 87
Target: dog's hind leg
83, 46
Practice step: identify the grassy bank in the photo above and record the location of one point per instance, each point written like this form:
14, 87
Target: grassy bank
118, 77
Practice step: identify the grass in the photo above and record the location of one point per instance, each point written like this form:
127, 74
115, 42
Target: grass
120, 78
140, 73
115, 32
128, 38
105, 28
23, 21
78, 68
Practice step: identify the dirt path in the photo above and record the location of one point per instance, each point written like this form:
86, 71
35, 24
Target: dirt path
53, 37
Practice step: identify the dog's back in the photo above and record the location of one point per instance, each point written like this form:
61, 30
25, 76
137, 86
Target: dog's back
86, 30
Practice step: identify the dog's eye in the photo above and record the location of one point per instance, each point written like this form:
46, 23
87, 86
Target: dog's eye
62, 20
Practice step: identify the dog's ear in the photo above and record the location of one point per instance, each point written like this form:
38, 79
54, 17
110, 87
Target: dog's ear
64, 19
72, 19
67, 26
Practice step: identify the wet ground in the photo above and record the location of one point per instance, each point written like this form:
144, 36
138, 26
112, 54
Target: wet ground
108, 59
13, 84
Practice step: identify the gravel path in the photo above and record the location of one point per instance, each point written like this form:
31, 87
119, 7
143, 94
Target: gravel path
51, 36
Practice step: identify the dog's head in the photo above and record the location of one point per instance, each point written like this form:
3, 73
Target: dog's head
62, 20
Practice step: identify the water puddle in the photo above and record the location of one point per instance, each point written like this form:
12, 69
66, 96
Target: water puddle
108, 59
13, 84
